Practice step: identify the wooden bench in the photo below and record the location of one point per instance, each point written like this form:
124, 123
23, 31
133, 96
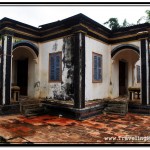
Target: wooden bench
133, 91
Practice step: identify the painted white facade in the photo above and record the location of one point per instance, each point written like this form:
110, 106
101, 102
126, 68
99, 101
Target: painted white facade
39, 85
131, 58
33, 72
109, 87
47, 88
97, 90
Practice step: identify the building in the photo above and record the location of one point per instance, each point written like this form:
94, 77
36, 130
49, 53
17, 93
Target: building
74, 59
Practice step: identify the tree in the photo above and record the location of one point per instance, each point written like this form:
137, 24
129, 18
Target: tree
145, 18
125, 23
113, 23
148, 16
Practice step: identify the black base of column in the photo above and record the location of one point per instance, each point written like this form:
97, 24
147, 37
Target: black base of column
73, 113
10, 109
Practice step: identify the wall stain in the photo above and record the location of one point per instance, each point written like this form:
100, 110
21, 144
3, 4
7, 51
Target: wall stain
66, 91
55, 46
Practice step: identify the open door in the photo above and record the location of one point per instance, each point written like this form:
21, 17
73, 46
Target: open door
122, 78
22, 76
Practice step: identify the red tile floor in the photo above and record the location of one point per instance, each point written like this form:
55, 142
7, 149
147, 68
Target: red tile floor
131, 128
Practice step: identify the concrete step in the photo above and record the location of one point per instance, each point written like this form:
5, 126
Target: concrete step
24, 107
34, 111
31, 107
114, 107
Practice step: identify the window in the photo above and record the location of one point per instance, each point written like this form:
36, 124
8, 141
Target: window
97, 67
55, 67
138, 74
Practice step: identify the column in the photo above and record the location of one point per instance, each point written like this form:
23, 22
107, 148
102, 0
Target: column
79, 70
5, 74
144, 50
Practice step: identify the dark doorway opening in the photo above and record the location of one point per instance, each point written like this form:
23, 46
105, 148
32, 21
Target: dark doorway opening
22, 76
122, 78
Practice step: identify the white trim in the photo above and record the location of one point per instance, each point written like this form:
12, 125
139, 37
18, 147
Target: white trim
4, 69
80, 40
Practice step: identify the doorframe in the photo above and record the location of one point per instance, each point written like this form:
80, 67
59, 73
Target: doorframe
27, 70
126, 76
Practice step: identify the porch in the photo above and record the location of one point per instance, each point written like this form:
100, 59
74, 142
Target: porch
32, 107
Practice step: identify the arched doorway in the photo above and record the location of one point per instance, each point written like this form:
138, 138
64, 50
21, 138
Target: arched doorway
23, 67
125, 59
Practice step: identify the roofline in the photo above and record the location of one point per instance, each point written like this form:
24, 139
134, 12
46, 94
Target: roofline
76, 18
131, 27
80, 18
5, 19
70, 25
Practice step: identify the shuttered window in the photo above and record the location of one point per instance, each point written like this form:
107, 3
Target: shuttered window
97, 67
55, 67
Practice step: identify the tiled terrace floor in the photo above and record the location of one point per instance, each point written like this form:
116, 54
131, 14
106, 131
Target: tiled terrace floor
53, 129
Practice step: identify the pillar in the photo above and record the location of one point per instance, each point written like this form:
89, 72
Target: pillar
5, 73
79, 70
144, 50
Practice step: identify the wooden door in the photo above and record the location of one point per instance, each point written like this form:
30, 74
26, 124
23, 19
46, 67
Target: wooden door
122, 78
22, 76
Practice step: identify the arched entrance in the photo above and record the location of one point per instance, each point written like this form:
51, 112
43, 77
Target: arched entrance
125, 59
23, 67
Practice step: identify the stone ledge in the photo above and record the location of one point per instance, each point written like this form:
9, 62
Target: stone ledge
10, 109
137, 108
70, 112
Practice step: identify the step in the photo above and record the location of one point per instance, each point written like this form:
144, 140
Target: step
34, 112
28, 106
116, 108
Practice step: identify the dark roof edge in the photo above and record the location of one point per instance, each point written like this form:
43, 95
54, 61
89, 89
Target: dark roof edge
18, 22
80, 17
131, 27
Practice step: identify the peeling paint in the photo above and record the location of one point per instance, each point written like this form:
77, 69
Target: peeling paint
64, 90
68, 68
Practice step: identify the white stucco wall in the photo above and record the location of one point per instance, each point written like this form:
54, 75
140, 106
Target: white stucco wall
97, 90
47, 89
136, 84
131, 58
38, 70
45, 50
33, 69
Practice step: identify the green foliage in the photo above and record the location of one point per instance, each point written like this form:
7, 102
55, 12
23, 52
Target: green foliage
113, 23
125, 23
148, 16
